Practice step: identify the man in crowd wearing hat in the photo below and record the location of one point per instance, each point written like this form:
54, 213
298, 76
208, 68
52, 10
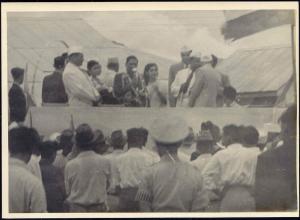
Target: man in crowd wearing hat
52, 177
276, 173
171, 185
230, 173
131, 166
112, 69
26, 192
174, 69
65, 147
128, 87
53, 90
207, 84
204, 149
17, 98
79, 87
87, 175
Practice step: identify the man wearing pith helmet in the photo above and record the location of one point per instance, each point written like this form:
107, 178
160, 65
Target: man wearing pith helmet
171, 185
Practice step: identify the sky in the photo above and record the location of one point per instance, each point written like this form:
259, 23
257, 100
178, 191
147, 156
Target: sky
164, 33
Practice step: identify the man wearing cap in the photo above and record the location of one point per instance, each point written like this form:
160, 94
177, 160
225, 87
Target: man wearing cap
53, 90
174, 69
112, 69
131, 166
207, 84
79, 87
87, 175
171, 185
16, 97
204, 149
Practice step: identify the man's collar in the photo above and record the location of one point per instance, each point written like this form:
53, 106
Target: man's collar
16, 161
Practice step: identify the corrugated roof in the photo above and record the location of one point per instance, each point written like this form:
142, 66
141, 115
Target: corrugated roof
36, 41
258, 70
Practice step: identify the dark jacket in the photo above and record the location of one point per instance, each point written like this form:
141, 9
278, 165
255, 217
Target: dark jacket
53, 90
53, 181
17, 104
275, 187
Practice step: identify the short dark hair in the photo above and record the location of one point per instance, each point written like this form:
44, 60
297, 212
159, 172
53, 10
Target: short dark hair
229, 92
214, 130
59, 62
48, 148
22, 140
112, 65
232, 131
131, 57
135, 136
250, 135
92, 63
17, 72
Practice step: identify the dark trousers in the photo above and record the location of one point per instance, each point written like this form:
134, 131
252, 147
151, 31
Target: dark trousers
127, 201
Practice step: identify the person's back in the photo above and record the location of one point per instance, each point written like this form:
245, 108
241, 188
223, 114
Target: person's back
26, 192
53, 90
179, 191
86, 179
211, 80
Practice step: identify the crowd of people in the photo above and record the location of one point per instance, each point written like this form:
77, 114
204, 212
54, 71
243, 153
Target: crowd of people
193, 82
166, 168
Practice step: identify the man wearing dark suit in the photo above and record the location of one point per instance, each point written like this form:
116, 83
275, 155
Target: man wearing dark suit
53, 90
174, 69
17, 98
276, 187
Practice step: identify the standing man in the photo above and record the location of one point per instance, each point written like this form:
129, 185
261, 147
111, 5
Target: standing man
26, 192
112, 69
171, 185
174, 69
53, 90
87, 175
207, 83
128, 87
79, 87
131, 166
17, 98
276, 175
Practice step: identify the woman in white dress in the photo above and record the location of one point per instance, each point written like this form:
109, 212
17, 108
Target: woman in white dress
155, 96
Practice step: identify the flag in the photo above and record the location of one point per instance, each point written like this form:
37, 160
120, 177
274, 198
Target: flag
252, 22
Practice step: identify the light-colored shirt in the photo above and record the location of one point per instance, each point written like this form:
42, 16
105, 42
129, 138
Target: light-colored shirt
173, 186
131, 166
234, 165
34, 166
108, 78
86, 178
115, 175
60, 160
201, 161
184, 152
79, 87
154, 98
206, 87
152, 155
26, 191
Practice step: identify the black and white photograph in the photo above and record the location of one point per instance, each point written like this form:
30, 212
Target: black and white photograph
165, 109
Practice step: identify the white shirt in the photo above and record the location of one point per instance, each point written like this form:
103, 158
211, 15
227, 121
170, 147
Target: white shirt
201, 161
108, 78
86, 178
26, 192
132, 166
184, 153
115, 175
235, 165
79, 87
181, 78
60, 160
34, 166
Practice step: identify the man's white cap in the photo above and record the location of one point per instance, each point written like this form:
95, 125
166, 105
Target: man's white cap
185, 49
169, 129
54, 137
74, 49
195, 54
